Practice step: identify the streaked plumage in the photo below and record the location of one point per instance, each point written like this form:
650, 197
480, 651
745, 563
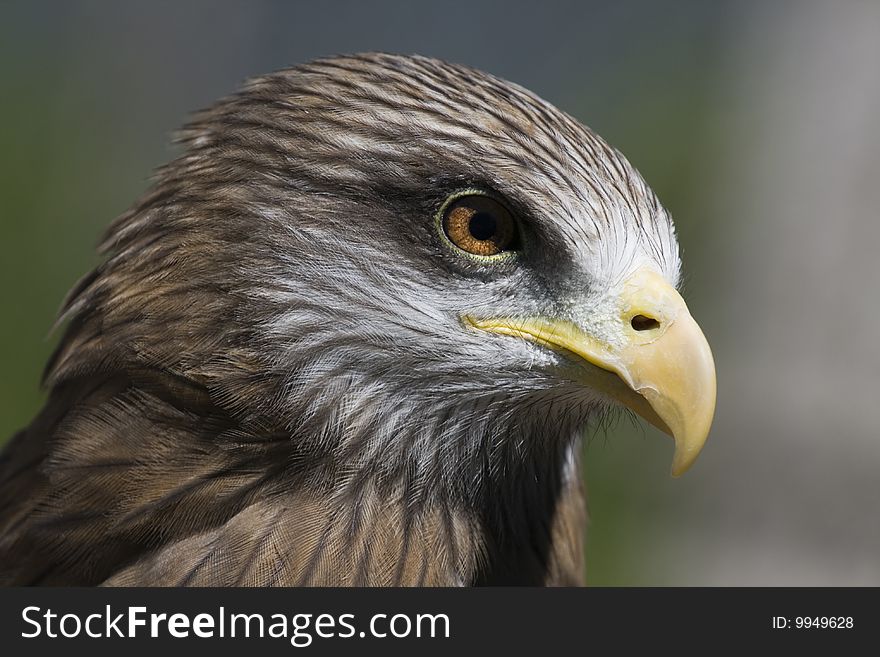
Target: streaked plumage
267, 382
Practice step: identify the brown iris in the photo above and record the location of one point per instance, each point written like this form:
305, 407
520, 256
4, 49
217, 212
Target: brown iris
479, 225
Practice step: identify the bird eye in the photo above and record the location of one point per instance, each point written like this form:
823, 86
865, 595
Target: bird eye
479, 225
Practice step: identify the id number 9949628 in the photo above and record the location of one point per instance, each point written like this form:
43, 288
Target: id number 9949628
813, 622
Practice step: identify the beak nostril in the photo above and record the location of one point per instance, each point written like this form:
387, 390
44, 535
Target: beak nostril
644, 323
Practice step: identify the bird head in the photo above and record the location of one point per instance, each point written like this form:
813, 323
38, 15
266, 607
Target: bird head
407, 265
352, 334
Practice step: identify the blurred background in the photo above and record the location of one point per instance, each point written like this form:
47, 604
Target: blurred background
755, 122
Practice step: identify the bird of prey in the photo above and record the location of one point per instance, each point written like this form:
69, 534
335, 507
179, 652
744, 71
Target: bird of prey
353, 335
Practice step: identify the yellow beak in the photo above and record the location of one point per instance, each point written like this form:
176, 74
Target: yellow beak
652, 358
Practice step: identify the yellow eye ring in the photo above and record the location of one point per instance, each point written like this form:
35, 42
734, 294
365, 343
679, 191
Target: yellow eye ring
478, 225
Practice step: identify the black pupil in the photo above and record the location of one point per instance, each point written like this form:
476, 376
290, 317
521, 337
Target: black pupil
482, 226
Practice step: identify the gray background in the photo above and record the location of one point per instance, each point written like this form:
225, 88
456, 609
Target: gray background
756, 123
